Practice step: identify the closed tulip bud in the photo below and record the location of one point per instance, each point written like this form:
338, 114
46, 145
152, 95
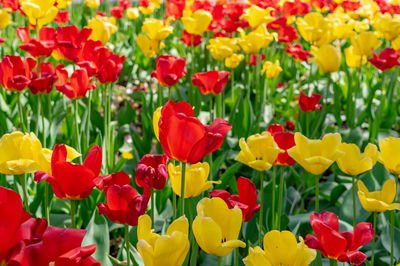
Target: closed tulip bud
353, 162
315, 155
234, 60
327, 57
198, 22
156, 29
216, 227
132, 13
389, 155
378, 201
196, 179
280, 248
102, 28
167, 250
271, 70
365, 43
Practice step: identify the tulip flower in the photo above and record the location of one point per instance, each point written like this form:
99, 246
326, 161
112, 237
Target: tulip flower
148, 47
198, 22
156, 119
253, 59
216, 227
195, 182
124, 204
315, 29
5, 17
15, 72
257, 16
38, 47
280, 248
151, 171
378, 201
184, 138
222, 47
297, 52
246, 200
327, 57
388, 155
341, 246
72, 181
70, 41
43, 83
365, 43
169, 69
39, 12
353, 162
259, 151
386, 60
211, 82
387, 25
132, 13
119, 178
93, 4
156, 29
102, 28
79, 83
234, 60
271, 70
309, 103
169, 249
62, 17
285, 141
353, 59
253, 42
190, 39
117, 12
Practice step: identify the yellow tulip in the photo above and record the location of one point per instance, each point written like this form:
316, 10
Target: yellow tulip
39, 12
315, 29
5, 18
222, 47
156, 29
169, 249
156, 118
132, 13
365, 43
280, 248
216, 227
387, 25
102, 28
198, 22
396, 43
353, 162
253, 42
195, 182
148, 47
271, 70
353, 59
378, 201
93, 4
256, 16
62, 4
342, 31
389, 155
259, 152
234, 60
361, 26
153, 5
316, 155
327, 57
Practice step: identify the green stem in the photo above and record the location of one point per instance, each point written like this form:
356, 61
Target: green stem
281, 184
273, 197
174, 205
38, 115
354, 201
193, 243
218, 105
236, 263
23, 185
77, 133
333, 262
88, 125
260, 224
391, 237
219, 261
110, 150
316, 194
21, 114
43, 120
46, 202
183, 188
73, 226
233, 89
128, 257
373, 239
152, 204
160, 96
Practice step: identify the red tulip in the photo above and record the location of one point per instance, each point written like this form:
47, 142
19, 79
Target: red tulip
72, 181
174, 8
190, 39
253, 59
234, 10
70, 41
120, 178
78, 85
151, 171
246, 200
387, 59
287, 34
44, 83
309, 103
285, 141
289, 126
38, 47
14, 5
124, 4
62, 17
169, 69
277, 23
341, 246
124, 204
184, 138
15, 72
350, 5
297, 52
211, 82
117, 12
295, 8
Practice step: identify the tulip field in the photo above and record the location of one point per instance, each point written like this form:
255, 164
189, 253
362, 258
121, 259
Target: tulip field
199, 132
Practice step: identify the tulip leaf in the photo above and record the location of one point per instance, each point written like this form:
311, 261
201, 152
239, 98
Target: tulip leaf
385, 236
97, 233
